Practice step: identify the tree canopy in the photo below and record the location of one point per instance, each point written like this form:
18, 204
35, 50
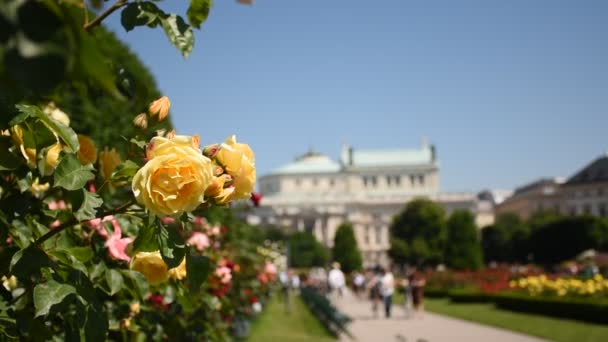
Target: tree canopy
463, 250
345, 249
418, 233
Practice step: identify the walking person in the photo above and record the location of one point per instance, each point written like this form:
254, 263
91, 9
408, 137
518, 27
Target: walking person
336, 280
358, 284
374, 286
406, 287
388, 288
418, 283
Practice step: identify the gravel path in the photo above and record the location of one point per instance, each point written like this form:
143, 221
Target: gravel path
428, 327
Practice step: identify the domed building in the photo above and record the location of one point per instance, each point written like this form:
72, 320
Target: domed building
365, 187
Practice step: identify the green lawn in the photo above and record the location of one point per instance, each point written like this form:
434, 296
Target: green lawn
298, 325
555, 329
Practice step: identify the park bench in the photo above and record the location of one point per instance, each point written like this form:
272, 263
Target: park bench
331, 318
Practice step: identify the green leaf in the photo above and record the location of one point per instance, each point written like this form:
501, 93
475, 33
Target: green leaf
65, 133
50, 293
114, 280
136, 283
66, 258
87, 204
179, 33
96, 326
70, 175
139, 14
146, 239
138, 143
8, 160
197, 268
198, 12
82, 254
172, 245
28, 262
125, 171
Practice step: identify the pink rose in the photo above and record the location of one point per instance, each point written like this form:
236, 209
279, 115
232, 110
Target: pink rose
57, 205
117, 244
270, 268
97, 225
224, 273
199, 240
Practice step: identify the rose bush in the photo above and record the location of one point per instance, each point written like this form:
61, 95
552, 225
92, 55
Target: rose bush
106, 242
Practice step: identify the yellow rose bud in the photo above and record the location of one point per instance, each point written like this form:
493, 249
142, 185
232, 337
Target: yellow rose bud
108, 161
56, 114
179, 272
134, 308
174, 179
26, 146
38, 189
141, 121
160, 107
151, 265
52, 156
238, 161
87, 154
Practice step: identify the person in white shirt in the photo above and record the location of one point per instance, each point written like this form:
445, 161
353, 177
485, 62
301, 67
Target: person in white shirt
336, 280
387, 290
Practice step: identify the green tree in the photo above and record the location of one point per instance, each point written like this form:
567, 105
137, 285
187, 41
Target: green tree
463, 249
306, 251
421, 220
345, 250
565, 238
507, 240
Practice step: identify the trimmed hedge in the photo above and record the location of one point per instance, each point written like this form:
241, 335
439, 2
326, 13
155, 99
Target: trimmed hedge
435, 293
590, 310
468, 296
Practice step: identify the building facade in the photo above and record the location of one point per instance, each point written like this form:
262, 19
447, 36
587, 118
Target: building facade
365, 187
585, 193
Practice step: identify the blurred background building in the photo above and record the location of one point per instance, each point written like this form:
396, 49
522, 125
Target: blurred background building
366, 188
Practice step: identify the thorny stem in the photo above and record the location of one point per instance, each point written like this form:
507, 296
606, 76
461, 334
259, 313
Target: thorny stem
74, 221
97, 21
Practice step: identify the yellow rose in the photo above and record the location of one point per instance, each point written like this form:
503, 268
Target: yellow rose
108, 161
238, 161
26, 146
160, 107
174, 179
217, 191
151, 265
52, 156
159, 146
87, 154
179, 272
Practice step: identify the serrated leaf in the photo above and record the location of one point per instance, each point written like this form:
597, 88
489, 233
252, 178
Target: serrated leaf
146, 239
28, 262
137, 284
198, 12
114, 280
197, 270
50, 293
172, 245
65, 133
87, 204
125, 171
71, 175
82, 254
139, 14
66, 258
179, 33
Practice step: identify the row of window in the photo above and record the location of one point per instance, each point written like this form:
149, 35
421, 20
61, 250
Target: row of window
590, 193
587, 209
372, 181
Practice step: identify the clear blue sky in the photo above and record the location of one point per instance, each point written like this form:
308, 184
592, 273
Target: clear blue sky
509, 91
